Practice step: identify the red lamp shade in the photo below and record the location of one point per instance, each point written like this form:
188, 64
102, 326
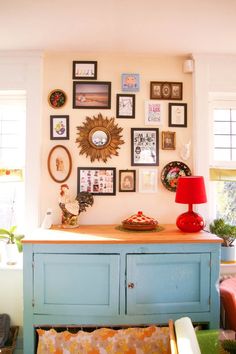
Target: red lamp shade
190, 190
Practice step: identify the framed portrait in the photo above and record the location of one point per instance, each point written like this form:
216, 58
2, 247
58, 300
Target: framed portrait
147, 180
59, 127
125, 106
153, 112
162, 90
177, 114
85, 70
96, 180
59, 163
130, 82
168, 140
95, 94
144, 146
127, 180
57, 98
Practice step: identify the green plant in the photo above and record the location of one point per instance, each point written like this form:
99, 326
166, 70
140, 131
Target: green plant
229, 346
11, 237
224, 230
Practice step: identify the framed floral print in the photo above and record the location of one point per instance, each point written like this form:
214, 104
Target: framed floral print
59, 127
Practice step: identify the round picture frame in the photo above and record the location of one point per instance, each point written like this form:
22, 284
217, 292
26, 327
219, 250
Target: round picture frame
59, 163
57, 98
171, 172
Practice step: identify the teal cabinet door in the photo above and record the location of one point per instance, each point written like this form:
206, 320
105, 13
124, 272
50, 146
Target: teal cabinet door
84, 284
167, 283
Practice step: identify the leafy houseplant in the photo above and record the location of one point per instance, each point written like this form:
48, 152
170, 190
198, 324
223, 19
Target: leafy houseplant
223, 230
11, 237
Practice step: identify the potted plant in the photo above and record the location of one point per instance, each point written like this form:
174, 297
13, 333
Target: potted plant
13, 245
228, 234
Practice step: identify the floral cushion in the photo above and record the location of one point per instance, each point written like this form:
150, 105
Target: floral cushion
149, 340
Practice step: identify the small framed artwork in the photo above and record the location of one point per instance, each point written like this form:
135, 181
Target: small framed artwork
125, 106
85, 70
130, 82
147, 180
166, 90
59, 163
127, 180
168, 140
144, 146
95, 94
96, 180
153, 112
59, 127
57, 98
177, 114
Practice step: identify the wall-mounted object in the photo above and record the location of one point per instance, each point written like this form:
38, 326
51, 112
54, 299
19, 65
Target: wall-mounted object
85, 70
185, 151
188, 66
162, 90
57, 98
127, 180
178, 115
99, 138
153, 112
125, 106
171, 172
144, 146
130, 82
147, 180
96, 180
96, 94
59, 127
168, 140
59, 163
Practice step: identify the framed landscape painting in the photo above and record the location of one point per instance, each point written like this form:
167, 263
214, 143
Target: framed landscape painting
95, 94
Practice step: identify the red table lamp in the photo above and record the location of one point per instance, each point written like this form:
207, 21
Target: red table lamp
190, 190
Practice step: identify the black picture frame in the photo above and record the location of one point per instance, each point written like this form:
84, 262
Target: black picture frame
127, 180
144, 146
125, 106
59, 127
177, 115
94, 95
162, 90
96, 180
84, 69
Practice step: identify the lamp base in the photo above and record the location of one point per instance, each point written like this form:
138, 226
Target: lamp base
190, 222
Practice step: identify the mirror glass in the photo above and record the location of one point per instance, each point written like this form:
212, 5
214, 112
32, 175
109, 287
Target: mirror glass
99, 138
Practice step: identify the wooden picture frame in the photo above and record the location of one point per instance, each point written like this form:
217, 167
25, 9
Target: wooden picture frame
94, 95
178, 115
144, 146
127, 180
85, 70
153, 112
147, 180
59, 127
59, 163
168, 140
161, 90
96, 180
125, 106
130, 82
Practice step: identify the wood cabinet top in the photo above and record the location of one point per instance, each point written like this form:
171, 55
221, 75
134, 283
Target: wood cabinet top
109, 234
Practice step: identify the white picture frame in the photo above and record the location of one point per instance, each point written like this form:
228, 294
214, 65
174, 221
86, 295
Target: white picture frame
153, 112
147, 180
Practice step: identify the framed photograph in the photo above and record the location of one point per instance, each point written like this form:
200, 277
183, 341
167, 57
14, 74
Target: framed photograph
59, 163
153, 112
144, 146
85, 70
127, 180
96, 180
162, 90
57, 98
59, 127
168, 140
95, 94
147, 180
130, 82
125, 106
177, 114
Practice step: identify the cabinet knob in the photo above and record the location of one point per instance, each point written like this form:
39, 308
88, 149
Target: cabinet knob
130, 285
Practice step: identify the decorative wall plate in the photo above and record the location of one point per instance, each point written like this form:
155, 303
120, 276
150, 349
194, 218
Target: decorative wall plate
57, 98
171, 172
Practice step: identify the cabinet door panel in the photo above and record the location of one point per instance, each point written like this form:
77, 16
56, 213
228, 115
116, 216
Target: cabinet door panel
76, 284
168, 283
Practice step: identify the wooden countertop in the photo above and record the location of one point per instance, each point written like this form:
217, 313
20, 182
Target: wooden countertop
109, 234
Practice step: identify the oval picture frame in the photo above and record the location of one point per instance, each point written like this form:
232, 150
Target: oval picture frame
57, 98
59, 163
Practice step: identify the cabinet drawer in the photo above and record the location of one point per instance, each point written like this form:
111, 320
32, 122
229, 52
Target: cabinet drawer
76, 284
168, 283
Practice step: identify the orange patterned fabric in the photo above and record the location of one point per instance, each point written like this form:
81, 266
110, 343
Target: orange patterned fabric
149, 340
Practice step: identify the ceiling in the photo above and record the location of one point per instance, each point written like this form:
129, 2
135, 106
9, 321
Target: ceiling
177, 27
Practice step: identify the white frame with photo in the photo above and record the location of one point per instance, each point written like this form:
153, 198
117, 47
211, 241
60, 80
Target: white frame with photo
147, 180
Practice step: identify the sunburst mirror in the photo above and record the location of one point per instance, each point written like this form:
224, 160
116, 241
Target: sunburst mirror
99, 138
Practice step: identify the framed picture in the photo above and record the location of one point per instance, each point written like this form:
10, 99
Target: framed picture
168, 140
147, 180
95, 94
127, 180
97, 180
166, 90
144, 146
85, 70
177, 114
59, 163
125, 106
153, 112
130, 82
59, 127
57, 98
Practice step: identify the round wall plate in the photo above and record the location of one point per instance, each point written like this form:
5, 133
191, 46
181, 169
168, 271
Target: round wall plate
171, 172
